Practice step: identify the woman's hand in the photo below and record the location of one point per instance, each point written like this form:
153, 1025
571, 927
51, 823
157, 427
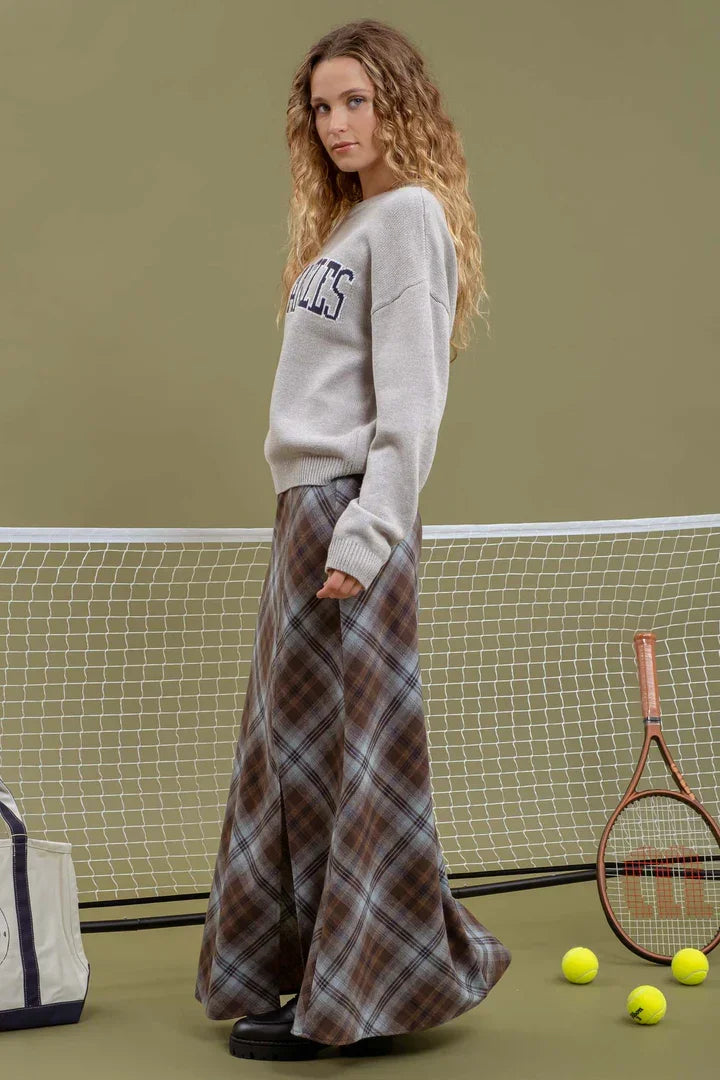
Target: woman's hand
339, 585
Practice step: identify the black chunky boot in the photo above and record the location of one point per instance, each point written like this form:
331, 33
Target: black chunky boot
267, 1036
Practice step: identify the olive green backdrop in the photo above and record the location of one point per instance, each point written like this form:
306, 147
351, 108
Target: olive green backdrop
144, 200
143, 208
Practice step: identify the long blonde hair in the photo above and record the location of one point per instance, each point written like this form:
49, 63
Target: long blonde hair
420, 145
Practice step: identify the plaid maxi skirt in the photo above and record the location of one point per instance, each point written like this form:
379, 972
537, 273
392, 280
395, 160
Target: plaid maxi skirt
330, 882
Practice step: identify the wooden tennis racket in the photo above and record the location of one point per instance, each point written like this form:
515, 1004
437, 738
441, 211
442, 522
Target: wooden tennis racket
658, 863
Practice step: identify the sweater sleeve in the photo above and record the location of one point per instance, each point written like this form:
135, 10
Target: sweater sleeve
414, 288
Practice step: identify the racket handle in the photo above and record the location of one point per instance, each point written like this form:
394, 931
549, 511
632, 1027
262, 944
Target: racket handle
645, 654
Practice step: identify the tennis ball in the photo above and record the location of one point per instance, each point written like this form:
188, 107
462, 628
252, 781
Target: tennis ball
690, 966
646, 1004
579, 965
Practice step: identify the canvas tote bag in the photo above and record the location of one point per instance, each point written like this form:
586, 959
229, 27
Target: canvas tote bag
44, 973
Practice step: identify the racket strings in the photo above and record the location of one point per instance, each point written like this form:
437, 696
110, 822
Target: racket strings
662, 875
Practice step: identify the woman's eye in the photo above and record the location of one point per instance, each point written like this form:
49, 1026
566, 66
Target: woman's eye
322, 106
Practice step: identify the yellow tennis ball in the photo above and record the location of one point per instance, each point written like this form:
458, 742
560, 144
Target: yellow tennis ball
690, 966
646, 1004
579, 965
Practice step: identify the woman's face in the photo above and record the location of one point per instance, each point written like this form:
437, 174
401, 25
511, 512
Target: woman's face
341, 97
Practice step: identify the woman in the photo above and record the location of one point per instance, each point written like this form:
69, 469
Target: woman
330, 883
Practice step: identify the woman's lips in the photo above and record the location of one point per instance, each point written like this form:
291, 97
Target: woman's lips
347, 146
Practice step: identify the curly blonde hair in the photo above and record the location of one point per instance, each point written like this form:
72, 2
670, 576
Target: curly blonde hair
420, 145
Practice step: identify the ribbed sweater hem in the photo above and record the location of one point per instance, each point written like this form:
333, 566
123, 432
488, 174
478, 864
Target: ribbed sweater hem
312, 469
353, 559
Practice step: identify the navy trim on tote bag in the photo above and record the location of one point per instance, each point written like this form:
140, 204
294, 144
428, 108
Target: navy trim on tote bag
28, 955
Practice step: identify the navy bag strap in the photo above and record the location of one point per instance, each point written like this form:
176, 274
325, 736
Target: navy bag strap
11, 816
10, 813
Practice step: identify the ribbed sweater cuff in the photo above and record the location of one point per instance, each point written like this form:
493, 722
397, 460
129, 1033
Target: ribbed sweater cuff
352, 558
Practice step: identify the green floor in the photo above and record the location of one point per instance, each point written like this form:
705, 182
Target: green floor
142, 1020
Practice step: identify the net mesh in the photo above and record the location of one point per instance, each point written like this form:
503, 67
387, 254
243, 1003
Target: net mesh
124, 657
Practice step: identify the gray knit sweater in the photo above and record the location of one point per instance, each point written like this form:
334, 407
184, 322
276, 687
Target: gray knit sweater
362, 378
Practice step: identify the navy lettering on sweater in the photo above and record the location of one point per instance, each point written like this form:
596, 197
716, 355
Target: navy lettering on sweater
321, 288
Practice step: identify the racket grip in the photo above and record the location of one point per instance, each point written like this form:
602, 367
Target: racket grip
647, 672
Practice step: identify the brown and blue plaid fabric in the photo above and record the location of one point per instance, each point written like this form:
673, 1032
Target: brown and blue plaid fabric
330, 881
